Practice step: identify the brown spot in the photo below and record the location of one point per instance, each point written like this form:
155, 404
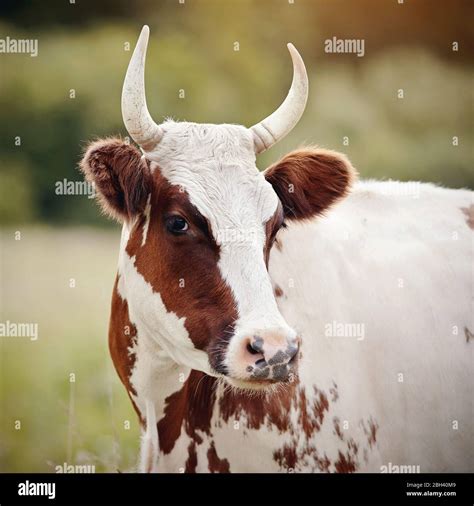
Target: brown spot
370, 430
191, 463
308, 181
469, 335
469, 213
323, 463
122, 333
216, 464
291, 454
189, 408
337, 428
311, 417
352, 446
320, 405
345, 463
348, 462
286, 457
278, 291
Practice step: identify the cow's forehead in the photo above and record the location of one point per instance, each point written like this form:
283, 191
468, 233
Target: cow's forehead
215, 165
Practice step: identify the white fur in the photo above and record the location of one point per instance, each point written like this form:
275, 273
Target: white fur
147, 220
150, 445
403, 267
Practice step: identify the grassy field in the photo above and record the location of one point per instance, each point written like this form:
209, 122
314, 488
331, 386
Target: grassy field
61, 279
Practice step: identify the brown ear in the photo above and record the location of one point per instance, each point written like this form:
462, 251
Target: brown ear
121, 177
310, 180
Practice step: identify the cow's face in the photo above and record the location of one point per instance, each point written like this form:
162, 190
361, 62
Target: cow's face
199, 225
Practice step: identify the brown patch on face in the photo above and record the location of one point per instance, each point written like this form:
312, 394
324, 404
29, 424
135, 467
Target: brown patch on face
469, 335
469, 213
216, 465
183, 270
309, 181
122, 333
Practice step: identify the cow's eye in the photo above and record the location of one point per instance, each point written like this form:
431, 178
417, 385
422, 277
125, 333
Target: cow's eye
176, 225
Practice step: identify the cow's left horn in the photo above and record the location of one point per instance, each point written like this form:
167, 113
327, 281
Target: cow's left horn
282, 121
140, 125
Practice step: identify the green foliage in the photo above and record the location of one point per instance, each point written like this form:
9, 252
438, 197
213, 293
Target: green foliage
77, 423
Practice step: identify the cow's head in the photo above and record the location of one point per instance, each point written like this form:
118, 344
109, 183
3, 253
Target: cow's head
199, 223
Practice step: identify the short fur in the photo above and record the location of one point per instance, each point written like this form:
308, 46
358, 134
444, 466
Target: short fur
120, 174
310, 180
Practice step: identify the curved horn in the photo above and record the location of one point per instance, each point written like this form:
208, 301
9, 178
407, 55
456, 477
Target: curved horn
282, 121
138, 122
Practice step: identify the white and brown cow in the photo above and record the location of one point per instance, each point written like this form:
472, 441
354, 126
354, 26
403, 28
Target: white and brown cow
257, 326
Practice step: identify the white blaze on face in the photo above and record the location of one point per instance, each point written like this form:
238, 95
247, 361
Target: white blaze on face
215, 165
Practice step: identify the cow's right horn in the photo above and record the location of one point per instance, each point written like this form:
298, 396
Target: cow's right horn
274, 127
140, 125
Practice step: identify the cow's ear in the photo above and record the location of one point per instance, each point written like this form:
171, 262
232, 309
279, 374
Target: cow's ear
121, 177
308, 181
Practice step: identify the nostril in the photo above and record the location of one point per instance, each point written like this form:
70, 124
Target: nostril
293, 357
260, 362
251, 350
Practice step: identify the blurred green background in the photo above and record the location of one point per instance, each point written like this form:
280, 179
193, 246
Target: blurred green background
84, 48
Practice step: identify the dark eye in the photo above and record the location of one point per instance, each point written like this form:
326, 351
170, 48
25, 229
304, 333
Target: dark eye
176, 225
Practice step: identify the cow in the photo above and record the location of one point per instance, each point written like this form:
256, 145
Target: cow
287, 320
